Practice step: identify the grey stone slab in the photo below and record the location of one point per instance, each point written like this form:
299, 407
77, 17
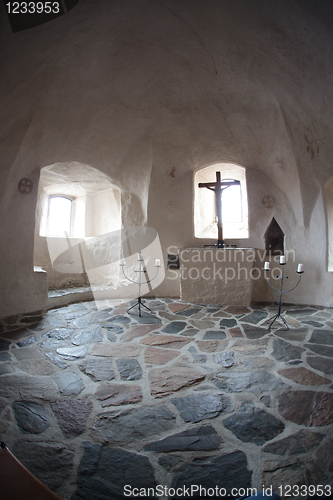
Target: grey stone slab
228, 323
51, 344
27, 386
148, 320
135, 424
31, 319
119, 319
111, 337
284, 351
28, 341
254, 332
199, 358
56, 320
322, 337
50, 463
5, 356
266, 400
72, 353
322, 364
253, 425
214, 335
197, 439
226, 359
72, 416
25, 353
255, 317
300, 312
6, 368
325, 456
129, 369
188, 312
98, 369
112, 473
31, 417
197, 407
322, 350
73, 315
102, 314
314, 324
57, 360
69, 383
4, 345
59, 333
300, 442
17, 334
113, 329
223, 471
89, 335
174, 327
83, 322
294, 334
257, 382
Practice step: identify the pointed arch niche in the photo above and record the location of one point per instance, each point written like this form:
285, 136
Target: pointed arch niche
274, 239
329, 212
234, 203
87, 205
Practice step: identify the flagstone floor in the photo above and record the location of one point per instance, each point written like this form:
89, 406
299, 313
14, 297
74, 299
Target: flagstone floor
190, 399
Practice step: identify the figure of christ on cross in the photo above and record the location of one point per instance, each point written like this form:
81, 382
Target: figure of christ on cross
218, 187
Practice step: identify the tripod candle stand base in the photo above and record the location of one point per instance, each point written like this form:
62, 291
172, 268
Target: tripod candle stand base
299, 271
140, 304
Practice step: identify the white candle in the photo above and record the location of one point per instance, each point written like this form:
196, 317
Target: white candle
266, 266
300, 268
140, 256
157, 263
282, 259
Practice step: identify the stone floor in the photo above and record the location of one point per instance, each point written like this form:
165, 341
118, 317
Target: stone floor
97, 402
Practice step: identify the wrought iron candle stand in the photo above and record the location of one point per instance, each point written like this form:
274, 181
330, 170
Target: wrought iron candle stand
141, 270
281, 291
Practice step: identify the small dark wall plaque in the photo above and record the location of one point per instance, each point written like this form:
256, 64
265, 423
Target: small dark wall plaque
173, 261
25, 186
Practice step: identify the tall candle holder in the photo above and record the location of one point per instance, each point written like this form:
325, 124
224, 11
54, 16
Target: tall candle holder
141, 270
281, 291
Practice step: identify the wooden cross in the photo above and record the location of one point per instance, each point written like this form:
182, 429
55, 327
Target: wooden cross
218, 187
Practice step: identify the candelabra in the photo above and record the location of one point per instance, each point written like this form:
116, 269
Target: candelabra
281, 291
141, 270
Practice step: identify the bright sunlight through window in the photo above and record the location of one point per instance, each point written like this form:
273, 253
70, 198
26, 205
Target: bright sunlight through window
59, 217
232, 205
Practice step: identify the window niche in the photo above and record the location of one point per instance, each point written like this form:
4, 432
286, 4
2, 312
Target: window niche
75, 202
234, 203
274, 239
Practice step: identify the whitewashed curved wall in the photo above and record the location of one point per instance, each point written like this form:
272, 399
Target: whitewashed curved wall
148, 92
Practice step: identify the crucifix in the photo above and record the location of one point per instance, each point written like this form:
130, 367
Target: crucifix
218, 187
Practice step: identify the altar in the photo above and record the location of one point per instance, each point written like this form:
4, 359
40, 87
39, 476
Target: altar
213, 275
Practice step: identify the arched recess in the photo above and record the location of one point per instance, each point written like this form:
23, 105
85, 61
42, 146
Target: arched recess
234, 203
274, 239
329, 212
95, 210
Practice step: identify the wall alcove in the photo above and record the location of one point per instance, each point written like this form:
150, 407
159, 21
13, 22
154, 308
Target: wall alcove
274, 239
94, 205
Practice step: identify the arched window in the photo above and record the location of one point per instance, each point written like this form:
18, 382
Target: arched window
59, 219
234, 203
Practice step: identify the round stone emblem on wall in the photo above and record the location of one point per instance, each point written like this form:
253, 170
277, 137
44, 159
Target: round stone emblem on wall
25, 186
268, 201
